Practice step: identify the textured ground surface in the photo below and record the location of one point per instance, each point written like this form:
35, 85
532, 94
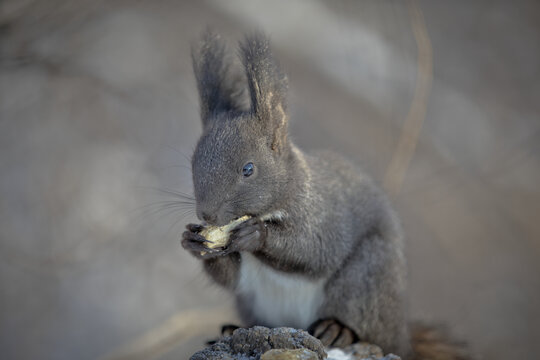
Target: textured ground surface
257, 341
284, 344
98, 107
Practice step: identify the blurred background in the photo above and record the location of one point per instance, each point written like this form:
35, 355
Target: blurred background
438, 100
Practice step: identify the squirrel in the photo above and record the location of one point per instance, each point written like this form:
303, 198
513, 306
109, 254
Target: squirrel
322, 250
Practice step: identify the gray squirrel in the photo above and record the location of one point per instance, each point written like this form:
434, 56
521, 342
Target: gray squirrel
323, 249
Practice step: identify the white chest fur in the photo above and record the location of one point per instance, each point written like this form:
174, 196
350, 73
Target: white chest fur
279, 299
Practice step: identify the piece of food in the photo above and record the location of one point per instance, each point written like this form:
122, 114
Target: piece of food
219, 235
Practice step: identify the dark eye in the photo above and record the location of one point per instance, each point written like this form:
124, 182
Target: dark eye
248, 169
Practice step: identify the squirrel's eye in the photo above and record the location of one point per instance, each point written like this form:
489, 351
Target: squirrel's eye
248, 169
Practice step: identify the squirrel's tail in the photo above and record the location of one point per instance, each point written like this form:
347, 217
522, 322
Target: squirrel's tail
435, 343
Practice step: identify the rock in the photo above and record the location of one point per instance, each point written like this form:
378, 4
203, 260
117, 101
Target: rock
357, 351
360, 351
252, 343
261, 343
297, 354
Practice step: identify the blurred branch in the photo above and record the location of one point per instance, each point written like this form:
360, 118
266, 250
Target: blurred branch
412, 126
171, 333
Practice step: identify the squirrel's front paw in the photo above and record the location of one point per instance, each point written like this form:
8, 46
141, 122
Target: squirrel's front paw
194, 242
248, 236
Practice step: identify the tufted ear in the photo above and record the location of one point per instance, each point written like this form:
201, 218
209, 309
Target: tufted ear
267, 88
218, 91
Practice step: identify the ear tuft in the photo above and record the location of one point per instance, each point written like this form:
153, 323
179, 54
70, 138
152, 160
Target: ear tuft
267, 87
218, 90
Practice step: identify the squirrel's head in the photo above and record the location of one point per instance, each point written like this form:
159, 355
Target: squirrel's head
240, 164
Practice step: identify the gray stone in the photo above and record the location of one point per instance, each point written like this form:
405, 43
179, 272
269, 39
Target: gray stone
254, 342
284, 343
360, 351
365, 350
283, 354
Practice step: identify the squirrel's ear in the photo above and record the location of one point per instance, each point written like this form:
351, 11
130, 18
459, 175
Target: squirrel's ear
267, 87
218, 91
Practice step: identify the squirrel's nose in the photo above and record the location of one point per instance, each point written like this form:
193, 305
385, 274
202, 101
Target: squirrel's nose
208, 213
208, 218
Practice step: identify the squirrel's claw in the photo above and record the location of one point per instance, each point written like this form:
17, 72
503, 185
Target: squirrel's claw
333, 333
196, 228
228, 329
195, 243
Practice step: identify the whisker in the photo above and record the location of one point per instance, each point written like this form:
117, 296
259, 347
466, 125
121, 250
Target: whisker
175, 166
186, 157
165, 204
176, 193
181, 217
162, 212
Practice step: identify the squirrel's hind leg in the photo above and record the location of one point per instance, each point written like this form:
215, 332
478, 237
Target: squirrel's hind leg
367, 295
